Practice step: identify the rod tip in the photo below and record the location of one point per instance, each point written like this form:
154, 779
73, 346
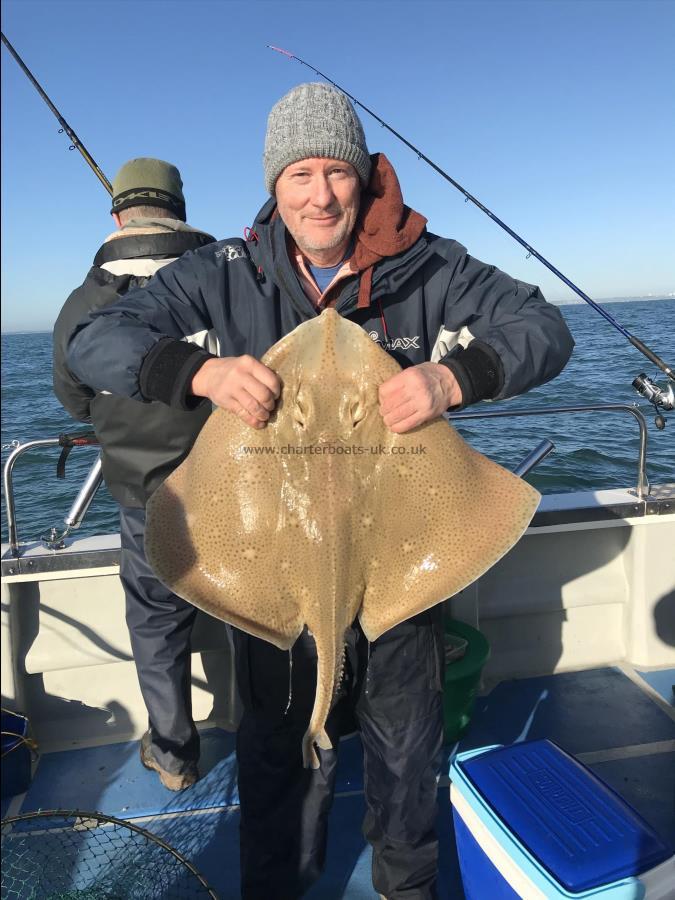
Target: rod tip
279, 50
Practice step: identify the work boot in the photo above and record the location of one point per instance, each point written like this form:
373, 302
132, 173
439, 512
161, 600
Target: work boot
173, 782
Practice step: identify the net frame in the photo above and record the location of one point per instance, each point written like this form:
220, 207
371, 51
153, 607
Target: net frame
84, 821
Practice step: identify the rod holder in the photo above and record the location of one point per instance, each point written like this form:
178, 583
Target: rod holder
83, 500
533, 458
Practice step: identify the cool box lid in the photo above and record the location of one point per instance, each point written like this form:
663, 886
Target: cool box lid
571, 822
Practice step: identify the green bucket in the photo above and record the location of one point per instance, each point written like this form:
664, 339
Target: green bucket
462, 677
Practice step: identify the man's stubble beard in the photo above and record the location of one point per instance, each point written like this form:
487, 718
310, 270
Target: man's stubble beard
314, 245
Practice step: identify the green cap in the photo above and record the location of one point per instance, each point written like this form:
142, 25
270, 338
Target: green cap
149, 182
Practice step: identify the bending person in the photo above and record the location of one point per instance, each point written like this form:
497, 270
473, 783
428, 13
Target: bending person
140, 445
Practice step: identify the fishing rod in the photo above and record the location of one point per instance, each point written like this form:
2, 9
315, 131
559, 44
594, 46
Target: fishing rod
53, 539
76, 143
659, 397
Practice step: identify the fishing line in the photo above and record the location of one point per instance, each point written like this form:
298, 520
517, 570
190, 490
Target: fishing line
661, 397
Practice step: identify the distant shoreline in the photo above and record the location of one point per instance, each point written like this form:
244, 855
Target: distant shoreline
571, 302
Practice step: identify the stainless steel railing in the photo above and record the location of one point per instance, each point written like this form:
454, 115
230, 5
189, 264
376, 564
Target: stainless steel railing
93, 480
77, 511
642, 486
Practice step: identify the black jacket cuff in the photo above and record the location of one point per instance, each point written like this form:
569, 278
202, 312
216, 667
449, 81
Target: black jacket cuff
167, 372
478, 370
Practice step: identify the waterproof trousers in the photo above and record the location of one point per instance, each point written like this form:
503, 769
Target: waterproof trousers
160, 625
392, 688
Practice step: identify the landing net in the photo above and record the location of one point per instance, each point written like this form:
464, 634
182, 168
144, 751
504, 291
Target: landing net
75, 855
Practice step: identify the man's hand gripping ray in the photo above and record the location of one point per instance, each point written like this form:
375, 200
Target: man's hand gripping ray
246, 387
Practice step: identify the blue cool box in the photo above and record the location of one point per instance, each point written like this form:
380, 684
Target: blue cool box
533, 817
15, 755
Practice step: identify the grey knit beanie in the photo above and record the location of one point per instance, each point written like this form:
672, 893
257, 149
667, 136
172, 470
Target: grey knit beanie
314, 119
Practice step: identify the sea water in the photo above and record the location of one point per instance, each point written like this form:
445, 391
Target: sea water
592, 450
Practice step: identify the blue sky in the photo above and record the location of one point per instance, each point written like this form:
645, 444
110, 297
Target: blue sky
557, 115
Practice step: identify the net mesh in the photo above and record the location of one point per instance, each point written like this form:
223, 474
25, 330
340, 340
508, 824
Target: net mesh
59, 855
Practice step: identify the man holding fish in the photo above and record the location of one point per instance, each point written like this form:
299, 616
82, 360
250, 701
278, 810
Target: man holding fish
335, 234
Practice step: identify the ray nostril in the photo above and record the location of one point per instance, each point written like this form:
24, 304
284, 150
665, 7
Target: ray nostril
357, 412
299, 412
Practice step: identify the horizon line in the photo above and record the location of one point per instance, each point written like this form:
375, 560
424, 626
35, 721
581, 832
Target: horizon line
572, 301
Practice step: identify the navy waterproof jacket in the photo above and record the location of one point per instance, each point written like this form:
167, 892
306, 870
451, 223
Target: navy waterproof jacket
432, 301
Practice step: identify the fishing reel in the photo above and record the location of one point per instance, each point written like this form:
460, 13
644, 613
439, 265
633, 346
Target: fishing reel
663, 398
